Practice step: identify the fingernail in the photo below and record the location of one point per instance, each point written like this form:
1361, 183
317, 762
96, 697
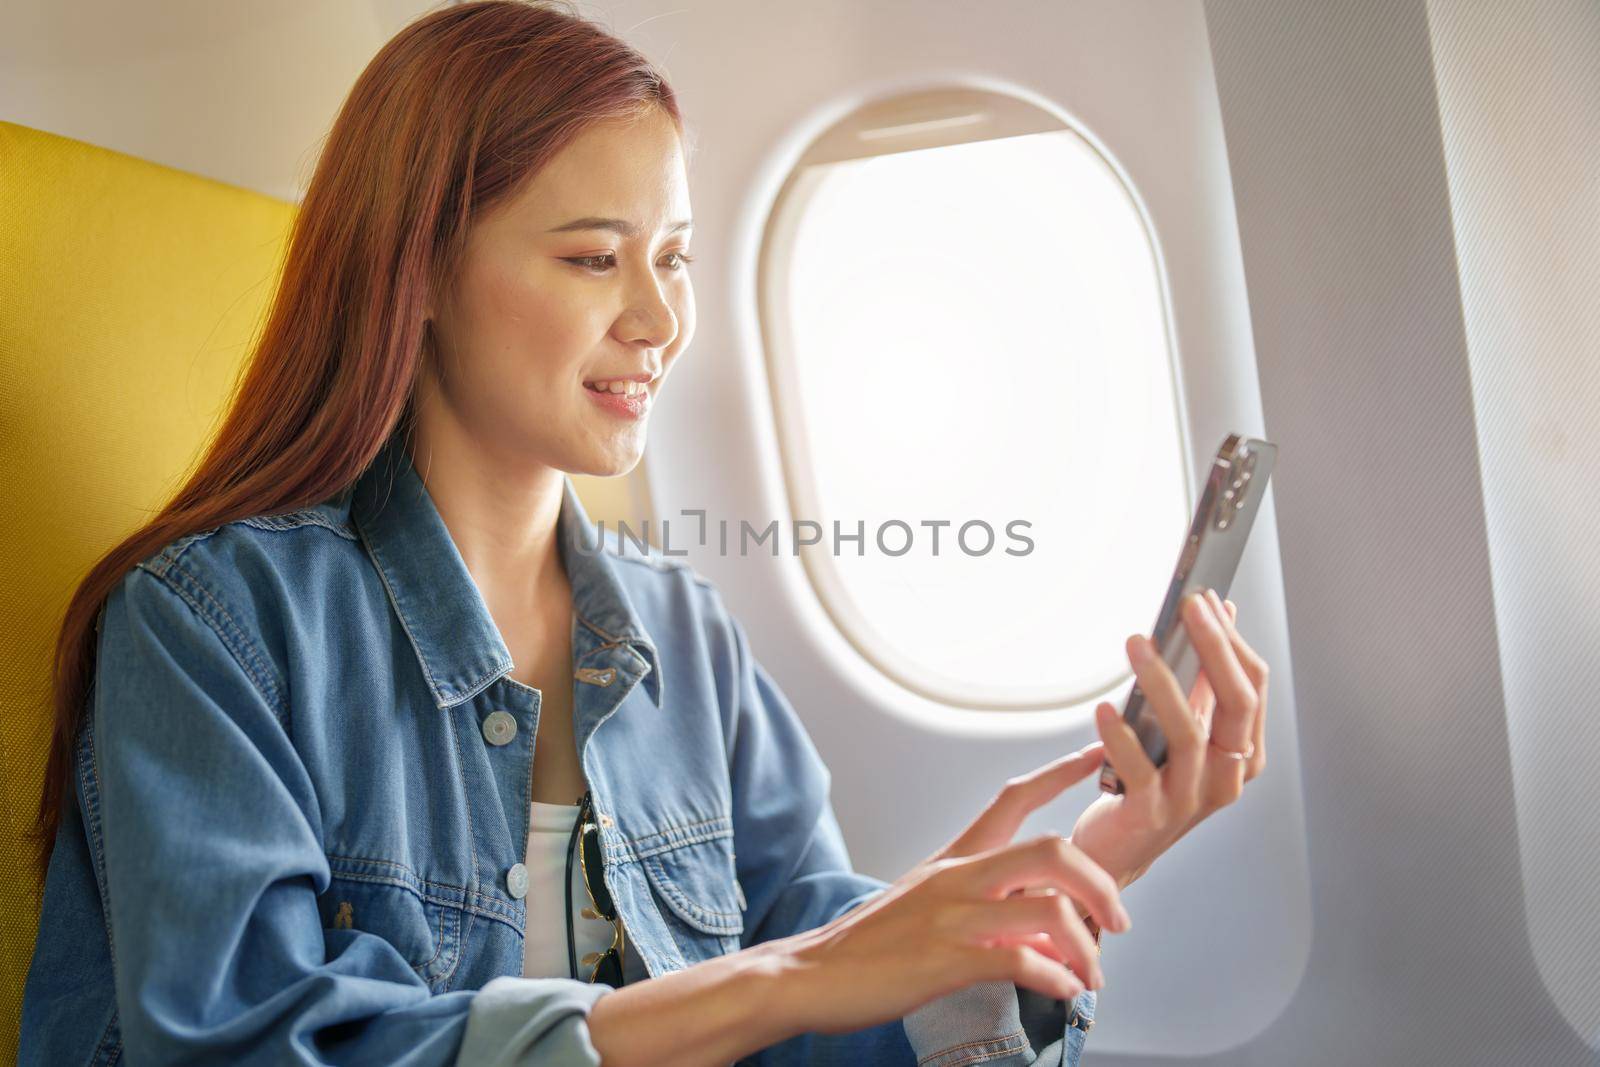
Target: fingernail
1141, 650
1126, 920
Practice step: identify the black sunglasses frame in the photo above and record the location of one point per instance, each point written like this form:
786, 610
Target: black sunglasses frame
586, 834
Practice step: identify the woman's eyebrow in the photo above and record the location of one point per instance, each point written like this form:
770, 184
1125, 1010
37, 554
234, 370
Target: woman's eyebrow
621, 226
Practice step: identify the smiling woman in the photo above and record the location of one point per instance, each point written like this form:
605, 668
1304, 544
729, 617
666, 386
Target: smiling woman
312, 719
517, 340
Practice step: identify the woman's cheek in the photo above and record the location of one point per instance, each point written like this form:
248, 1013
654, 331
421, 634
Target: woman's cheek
686, 324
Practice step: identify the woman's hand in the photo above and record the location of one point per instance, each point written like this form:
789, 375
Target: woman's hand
1225, 713
980, 909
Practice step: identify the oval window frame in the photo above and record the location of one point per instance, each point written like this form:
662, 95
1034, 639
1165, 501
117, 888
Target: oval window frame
903, 122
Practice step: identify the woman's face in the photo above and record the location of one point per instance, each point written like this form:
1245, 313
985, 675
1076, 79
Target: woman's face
550, 302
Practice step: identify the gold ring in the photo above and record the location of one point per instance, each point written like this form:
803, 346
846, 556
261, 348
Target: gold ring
1230, 753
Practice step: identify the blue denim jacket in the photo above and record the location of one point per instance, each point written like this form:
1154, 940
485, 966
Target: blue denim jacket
290, 838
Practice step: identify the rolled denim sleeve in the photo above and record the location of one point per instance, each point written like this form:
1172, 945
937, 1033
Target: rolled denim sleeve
529, 1022
205, 832
1003, 1025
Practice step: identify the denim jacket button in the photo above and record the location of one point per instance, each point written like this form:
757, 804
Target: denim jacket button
499, 727
517, 881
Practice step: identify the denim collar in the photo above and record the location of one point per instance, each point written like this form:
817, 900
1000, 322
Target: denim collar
438, 602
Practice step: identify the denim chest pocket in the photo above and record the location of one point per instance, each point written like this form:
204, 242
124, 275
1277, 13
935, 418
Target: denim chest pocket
700, 895
390, 901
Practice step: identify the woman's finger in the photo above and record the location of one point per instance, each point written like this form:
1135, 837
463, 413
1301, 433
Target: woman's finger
1025, 967
1231, 724
1258, 757
998, 823
1123, 750
1256, 668
1043, 944
1203, 701
1181, 774
1049, 861
1050, 913
1258, 739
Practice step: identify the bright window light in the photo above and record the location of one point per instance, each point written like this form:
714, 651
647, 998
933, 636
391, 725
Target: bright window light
975, 332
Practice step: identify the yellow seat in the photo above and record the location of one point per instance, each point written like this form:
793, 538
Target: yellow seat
130, 295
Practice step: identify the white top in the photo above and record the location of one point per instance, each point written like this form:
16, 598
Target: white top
544, 950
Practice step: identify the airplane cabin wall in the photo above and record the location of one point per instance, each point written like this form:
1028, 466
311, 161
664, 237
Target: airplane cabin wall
1421, 952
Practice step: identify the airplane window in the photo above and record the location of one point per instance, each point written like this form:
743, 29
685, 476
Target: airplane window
964, 318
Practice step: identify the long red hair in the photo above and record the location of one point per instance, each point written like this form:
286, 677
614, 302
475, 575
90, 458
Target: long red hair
453, 115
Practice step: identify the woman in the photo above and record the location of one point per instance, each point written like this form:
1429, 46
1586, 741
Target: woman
300, 814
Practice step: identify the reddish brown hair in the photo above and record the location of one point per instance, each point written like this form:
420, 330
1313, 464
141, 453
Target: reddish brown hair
452, 116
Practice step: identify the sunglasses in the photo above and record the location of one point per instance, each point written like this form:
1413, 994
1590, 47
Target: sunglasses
608, 964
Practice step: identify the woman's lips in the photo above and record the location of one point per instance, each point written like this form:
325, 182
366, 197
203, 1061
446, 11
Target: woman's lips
621, 404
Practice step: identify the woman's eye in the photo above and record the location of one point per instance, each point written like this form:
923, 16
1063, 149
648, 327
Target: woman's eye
598, 264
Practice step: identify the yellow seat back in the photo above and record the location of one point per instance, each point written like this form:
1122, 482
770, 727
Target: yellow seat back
130, 295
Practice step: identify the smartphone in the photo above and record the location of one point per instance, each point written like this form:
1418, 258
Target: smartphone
1209, 556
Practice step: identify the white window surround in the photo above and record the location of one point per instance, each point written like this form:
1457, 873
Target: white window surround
1114, 600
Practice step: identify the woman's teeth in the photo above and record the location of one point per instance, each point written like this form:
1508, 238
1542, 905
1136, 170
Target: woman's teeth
626, 388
